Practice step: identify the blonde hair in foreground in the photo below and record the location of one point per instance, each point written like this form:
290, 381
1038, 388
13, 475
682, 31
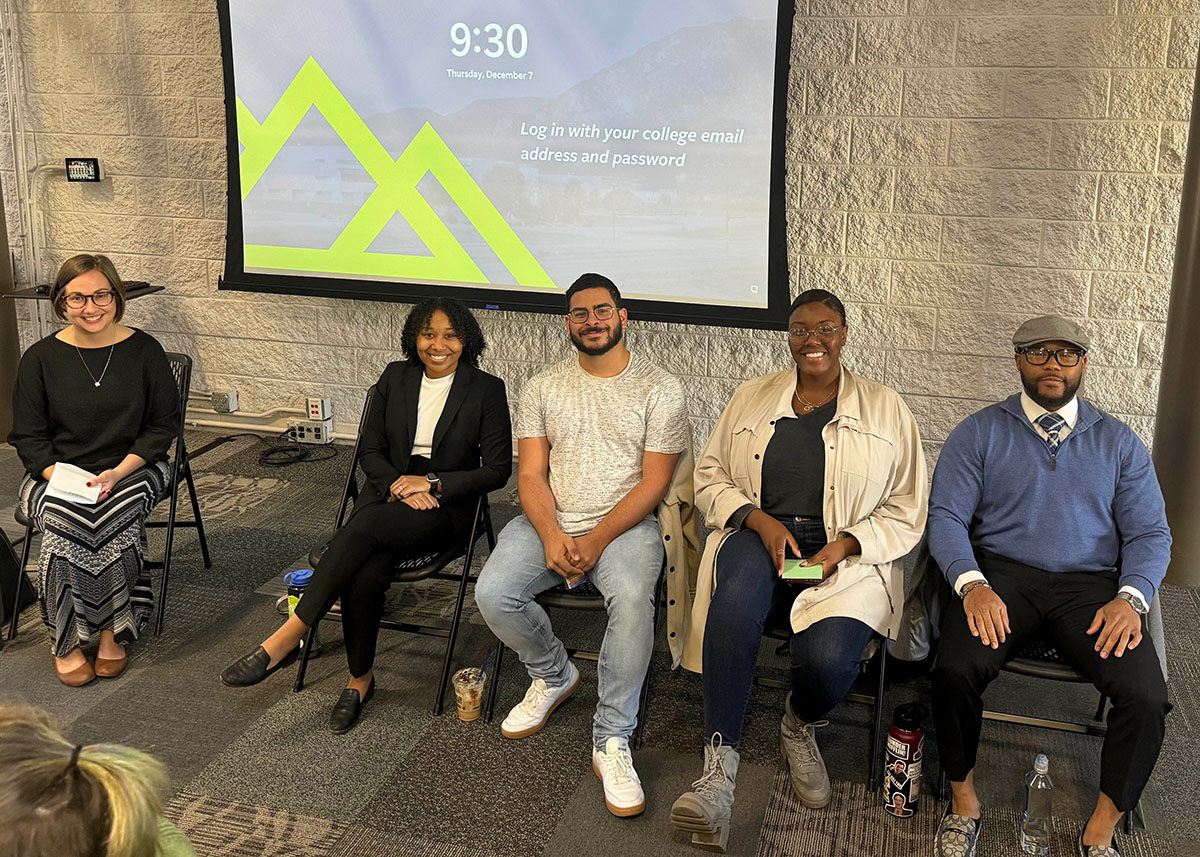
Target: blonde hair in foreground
106, 804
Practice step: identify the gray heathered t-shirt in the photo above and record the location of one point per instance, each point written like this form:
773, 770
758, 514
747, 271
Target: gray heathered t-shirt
598, 429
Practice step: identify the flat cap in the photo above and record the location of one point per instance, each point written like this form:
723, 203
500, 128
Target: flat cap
1050, 328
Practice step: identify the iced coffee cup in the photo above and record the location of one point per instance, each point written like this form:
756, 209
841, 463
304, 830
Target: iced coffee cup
468, 687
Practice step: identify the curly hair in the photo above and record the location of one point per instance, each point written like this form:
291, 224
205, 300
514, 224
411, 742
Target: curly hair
461, 319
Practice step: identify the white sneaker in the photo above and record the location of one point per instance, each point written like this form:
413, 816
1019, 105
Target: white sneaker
622, 788
530, 714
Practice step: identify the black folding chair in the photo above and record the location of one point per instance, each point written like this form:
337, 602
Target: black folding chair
879, 643
1041, 660
181, 369
429, 566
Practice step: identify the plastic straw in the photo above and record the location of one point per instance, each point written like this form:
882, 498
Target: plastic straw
483, 669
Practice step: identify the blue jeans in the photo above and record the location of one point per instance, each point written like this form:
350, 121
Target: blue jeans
748, 596
626, 574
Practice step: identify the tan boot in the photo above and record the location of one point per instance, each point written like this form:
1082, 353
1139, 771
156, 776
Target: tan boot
806, 768
705, 812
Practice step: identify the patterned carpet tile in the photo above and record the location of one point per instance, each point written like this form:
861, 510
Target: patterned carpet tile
314, 772
360, 841
177, 707
853, 823
221, 828
588, 827
465, 783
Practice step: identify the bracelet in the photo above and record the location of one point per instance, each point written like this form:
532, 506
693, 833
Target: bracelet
972, 585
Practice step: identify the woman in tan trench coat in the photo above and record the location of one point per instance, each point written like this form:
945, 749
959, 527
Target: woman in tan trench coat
813, 464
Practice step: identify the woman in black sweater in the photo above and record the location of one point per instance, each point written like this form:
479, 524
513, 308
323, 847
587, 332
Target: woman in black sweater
101, 396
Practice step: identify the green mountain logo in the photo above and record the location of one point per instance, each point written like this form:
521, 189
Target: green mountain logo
395, 193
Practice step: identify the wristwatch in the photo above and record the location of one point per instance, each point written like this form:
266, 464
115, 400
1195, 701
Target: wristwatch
1135, 602
435, 482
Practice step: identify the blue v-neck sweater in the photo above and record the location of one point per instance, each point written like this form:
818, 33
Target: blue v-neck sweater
1093, 507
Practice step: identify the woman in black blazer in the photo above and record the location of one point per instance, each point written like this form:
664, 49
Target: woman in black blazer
437, 436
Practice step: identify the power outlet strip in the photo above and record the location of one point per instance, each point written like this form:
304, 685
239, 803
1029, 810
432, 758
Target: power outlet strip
318, 432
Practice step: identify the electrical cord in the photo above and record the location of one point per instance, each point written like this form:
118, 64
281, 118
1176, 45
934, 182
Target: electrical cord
286, 454
279, 454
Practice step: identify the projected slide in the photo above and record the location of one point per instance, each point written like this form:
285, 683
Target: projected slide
507, 145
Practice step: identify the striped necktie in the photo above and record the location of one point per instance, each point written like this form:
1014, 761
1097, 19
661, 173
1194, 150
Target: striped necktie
1052, 424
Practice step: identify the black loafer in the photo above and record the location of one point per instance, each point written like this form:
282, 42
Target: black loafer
345, 712
252, 668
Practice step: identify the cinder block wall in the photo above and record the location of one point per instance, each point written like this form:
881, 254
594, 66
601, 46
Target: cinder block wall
953, 166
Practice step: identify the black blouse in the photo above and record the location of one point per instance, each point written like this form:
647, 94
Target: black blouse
59, 414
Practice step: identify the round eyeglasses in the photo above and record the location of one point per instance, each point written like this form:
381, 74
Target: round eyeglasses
824, 332
602, 313
76, 300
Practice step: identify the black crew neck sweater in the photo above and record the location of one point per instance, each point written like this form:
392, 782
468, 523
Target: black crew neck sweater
59, 414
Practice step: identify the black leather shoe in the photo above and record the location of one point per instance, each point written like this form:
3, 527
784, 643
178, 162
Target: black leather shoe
345, 712
252, 668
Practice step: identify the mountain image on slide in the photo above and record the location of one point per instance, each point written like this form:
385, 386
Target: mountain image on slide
467, 197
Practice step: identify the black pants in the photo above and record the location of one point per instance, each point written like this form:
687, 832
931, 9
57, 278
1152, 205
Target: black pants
357, 567
1059, 606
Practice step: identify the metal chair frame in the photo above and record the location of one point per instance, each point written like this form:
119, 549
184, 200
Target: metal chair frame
876, 701
181, 370
411, 569
1041, 660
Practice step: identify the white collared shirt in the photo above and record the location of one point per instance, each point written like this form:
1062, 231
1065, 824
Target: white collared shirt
1033, 411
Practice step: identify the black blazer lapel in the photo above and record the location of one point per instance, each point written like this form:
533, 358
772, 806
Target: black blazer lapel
412, 394
463, 378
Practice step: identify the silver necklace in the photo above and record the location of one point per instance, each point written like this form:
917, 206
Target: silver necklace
96, 381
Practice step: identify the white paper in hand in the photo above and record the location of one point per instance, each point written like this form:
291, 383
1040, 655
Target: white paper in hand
69, 482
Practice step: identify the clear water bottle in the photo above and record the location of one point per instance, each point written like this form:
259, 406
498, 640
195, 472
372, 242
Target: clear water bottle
1034, 837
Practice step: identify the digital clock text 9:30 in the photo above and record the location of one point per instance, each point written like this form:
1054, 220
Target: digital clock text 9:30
494, 40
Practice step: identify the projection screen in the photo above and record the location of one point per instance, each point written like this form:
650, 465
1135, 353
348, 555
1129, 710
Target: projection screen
497, 150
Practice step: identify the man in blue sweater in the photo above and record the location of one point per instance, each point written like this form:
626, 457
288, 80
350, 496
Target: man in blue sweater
1046, 518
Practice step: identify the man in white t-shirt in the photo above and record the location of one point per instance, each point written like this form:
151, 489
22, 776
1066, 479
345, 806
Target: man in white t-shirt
598, 440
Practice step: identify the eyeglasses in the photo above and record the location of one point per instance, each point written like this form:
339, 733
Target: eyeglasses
824, 332
1066, 357
602, 313
76, 300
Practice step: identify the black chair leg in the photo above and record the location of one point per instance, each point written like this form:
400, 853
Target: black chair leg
495, 682
187, 475
447, 660
16, 613
877, 727
639, 731
305, 650
455, 620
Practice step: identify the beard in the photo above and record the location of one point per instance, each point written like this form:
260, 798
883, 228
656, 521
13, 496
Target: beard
1051, 403
602, 348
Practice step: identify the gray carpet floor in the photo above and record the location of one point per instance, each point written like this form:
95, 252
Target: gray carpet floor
256, 771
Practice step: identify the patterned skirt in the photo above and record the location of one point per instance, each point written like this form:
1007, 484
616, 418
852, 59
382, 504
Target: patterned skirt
90, 570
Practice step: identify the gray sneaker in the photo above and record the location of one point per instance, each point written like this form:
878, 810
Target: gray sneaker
705, 811
956, 835
806, 768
